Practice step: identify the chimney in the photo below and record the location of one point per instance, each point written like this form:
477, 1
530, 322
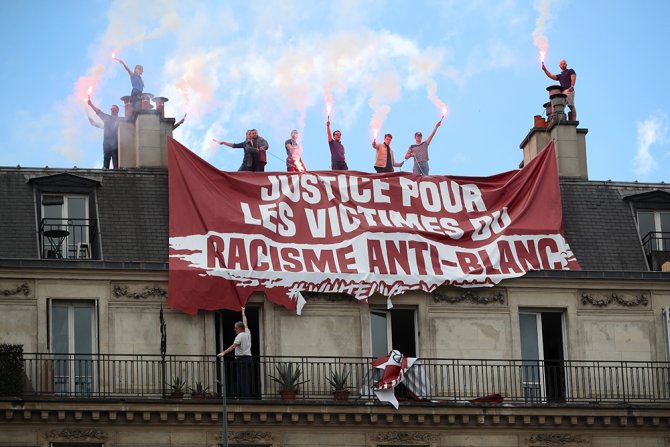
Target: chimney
143, 134
569, 141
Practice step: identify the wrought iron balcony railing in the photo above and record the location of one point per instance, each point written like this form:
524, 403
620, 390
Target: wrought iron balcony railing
67, 238
656, 246
437, 380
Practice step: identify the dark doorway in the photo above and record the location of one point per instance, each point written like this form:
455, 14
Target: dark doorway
542, 349
225, 322
552, 342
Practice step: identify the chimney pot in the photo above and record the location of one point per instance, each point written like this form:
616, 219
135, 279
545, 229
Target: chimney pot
127, 106
553, 89
160, 104
146, 101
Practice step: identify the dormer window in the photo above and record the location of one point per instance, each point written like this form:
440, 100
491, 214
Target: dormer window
66, 214
653, 224
65, 226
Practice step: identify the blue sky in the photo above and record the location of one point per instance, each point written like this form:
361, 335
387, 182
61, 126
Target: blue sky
272, 64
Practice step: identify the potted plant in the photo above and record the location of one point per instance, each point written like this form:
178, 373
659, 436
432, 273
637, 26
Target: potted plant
177, 388
199, 391
338, 380
288, 377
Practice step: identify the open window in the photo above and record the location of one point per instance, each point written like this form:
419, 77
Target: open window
66, 215
393, 329
542, 355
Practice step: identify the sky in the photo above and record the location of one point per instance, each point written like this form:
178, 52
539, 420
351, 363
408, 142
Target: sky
386, 64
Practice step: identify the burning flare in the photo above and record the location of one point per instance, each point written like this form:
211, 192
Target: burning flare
329, 108
375, 132
88, 95
444, 111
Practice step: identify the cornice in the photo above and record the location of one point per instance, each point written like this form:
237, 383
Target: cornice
97, 415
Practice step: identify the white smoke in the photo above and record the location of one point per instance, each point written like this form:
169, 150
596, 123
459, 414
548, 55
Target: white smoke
540, 40
649, 132
267, 73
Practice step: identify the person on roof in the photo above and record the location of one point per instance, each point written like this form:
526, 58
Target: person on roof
419, 151
567, 78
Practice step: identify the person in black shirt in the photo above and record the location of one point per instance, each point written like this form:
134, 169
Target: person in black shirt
567, 78
110, 140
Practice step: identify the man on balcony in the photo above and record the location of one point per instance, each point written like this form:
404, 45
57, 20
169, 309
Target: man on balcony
243, 360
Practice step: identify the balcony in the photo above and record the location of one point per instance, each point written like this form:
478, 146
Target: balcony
656, 246
430, 381
67, 238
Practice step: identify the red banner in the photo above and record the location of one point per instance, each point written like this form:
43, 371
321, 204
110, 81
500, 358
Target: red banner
233, 233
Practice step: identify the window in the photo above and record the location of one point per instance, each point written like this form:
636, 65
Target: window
653, 224
654, 229
67, 216
542, 354
73, 338
65, 225
393, 329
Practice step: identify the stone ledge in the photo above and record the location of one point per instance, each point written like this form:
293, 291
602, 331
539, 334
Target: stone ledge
270, 414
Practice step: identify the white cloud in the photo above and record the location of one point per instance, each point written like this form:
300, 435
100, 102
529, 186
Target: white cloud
650, 132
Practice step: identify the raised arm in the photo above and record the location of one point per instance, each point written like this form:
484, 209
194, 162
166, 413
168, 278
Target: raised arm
432, 134
95, 109
130, 73
244, 321
552, 76
374, 144
179, 123
330, 135
226, 143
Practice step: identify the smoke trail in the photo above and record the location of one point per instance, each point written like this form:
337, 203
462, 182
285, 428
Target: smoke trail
385, 89
539, 39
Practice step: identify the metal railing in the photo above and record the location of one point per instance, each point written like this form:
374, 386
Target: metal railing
67, 238
438, 380
656, 241
656, 245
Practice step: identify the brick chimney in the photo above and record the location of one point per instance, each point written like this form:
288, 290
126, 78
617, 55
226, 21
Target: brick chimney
143, 135
570, 142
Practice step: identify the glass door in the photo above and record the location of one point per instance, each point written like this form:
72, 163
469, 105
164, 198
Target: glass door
73, 343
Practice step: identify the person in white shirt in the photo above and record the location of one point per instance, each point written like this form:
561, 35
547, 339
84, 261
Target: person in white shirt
243, 360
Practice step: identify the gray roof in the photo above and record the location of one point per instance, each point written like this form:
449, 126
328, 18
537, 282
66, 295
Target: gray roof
601, 227
131, 206
132, 211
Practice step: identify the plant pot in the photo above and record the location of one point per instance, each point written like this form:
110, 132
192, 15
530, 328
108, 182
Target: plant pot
198, 395
341, 394
288, 394
176, 395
